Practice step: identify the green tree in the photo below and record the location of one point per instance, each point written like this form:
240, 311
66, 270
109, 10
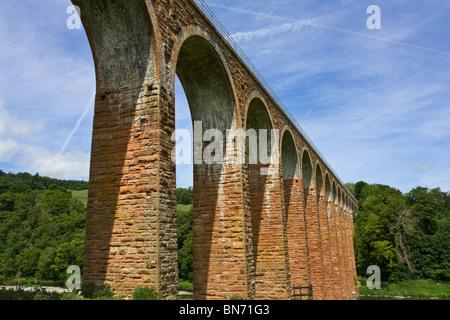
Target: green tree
374, 236
406, 235
184, 196
41, 231
185, 244
424, 207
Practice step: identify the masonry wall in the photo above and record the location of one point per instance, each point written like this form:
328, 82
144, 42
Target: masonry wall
254, 236
297, 233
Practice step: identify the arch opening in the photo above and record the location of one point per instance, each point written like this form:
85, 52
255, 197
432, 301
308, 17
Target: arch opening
319, 181
257, 119
335, 196
258, 134
307, 170
289, 158
206, 85
265, 204
328, 191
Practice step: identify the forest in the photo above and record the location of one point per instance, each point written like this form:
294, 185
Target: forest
406, 235
42, 229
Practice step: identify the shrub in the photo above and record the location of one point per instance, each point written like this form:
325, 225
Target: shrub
97, 293
70, 296
145, 293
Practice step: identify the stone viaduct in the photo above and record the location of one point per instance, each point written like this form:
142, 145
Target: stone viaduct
255, 236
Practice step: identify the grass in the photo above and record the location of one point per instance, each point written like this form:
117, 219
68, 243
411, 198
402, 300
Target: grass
184, 207
37, 294
422, 288
29, 282
185, 286
80, 195
87, 293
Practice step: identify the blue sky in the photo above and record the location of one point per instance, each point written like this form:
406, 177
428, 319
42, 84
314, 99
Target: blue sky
375, 102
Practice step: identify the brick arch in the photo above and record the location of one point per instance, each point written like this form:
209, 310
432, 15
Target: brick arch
296, 228
258, 116
334, 192
328, 190
256, 102
254, 96
319, 183
268, 241
125, 50
307, 169
212, 100
194, 31
339, 196
208, 90
289, 155
311, 205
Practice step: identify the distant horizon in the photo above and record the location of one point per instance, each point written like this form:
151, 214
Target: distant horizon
190, 186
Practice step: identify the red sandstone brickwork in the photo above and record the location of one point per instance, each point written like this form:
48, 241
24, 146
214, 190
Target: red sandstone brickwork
270, 254
355, 290
340, 253
219, 242
296, 232
254, 236
344, 224
334, 249
326, 249
314, 245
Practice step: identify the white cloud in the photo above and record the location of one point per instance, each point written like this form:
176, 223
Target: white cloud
16, 146
425, 167
272, 31
8, 148
68, 166
15, 127
11, 129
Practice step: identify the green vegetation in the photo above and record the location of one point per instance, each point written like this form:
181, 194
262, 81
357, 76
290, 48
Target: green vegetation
184, 196
41, 230
185, 237
406, 235
96, 293
14, 182
81, 195
145, 293
185, 286
86, 293
409, 288
35, 294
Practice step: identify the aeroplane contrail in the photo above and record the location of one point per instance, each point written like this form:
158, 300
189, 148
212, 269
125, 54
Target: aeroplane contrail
77, 124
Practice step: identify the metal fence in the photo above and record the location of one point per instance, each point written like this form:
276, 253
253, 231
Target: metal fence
303, 291
203, 7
